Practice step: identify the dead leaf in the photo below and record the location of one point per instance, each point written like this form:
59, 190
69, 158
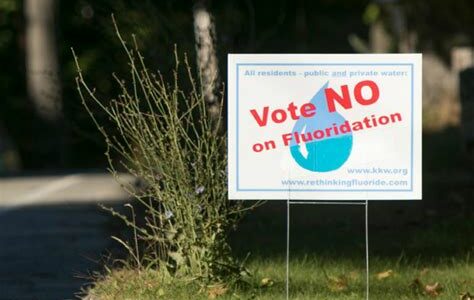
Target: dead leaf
466, 296
216, 291
433, 289
385, 274
338, 283
266, 282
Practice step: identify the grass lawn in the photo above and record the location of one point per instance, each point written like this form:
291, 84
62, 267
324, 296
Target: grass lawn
410, 259
311, 278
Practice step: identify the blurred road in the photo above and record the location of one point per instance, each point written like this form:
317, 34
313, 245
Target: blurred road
53, 234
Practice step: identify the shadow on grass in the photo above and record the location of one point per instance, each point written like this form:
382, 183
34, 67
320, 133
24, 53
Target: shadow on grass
395, 229
438, 227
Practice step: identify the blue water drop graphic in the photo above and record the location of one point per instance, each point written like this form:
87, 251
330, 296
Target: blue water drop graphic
328, 153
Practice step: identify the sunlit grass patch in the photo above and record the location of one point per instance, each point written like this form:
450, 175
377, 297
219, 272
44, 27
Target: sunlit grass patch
311, 277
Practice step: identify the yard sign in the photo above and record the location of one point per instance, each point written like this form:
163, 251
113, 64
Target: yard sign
324, 126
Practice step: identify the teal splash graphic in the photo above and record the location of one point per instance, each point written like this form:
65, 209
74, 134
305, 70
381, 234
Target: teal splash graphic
329, 153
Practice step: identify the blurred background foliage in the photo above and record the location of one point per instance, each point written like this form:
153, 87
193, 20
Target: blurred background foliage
264, 26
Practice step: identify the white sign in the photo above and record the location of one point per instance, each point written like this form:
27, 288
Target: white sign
324, 126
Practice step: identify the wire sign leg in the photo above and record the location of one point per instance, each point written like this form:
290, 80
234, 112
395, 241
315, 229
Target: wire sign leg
288, 249
367, 249
288, 205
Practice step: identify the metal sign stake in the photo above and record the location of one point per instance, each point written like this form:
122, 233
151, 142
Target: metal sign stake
288, 206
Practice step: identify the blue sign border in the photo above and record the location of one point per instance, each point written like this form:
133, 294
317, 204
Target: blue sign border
238, 189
